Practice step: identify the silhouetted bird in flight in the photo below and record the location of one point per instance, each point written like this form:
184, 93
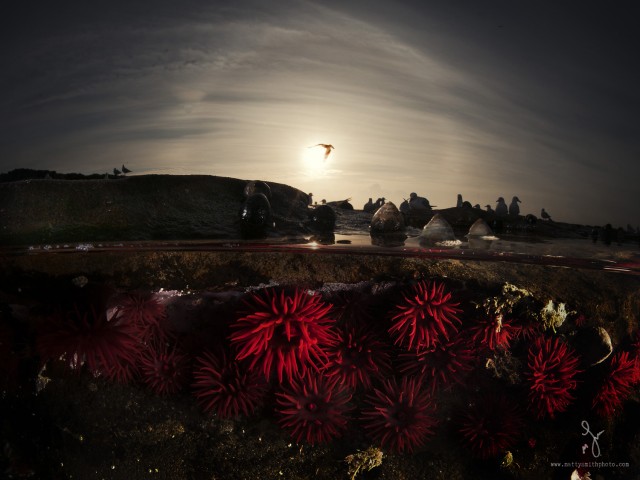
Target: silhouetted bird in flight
116, 172
125, 169
327, 148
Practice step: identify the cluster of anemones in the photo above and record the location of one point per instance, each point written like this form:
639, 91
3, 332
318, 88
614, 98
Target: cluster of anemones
319, 362
126, 341
287, 334
317, 359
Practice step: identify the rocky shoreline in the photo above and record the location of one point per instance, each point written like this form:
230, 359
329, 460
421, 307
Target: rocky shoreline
188, 207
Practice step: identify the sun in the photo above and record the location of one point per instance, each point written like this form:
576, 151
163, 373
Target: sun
314, 160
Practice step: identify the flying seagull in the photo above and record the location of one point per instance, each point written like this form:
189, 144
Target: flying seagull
327, 148
125, 169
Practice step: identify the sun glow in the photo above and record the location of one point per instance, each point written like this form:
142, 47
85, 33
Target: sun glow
315, 162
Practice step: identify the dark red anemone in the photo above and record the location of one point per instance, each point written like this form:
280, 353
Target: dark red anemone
145, 314
314, 408
553, 366
400, 417
85, 336
164, 370
225, 387
426, 317
444, 365
358, 357
490, 425
493, 331
617, 385
285, 334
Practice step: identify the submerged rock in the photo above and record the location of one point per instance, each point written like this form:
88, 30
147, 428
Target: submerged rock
387, 219
437, 230
256, 216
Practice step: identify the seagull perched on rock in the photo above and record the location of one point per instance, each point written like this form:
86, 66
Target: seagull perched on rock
125, 170
116, 172
514, 209
545, 215
327, 148
501, 207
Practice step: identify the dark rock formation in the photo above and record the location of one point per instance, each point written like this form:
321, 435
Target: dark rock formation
146, 207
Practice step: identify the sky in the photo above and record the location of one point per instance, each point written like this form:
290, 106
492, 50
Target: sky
537, 99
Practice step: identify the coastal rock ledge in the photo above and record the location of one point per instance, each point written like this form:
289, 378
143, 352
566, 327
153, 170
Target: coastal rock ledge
145, 207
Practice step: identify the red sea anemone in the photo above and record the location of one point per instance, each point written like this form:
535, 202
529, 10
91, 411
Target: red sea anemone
400, 417
425, 317
314, 409
443, 365
358, 356
285, 333
490, 426
553, 367
493, 331
164, 371
617, 385
84, 336
146, 314
225, 387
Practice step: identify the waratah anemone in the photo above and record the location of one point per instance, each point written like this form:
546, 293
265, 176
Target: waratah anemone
225, 387
425, 318
443, 365
400, 417
164, 370
490, 425
314, 408
617, 385
553, 367
358, 356
284, 333
84, 336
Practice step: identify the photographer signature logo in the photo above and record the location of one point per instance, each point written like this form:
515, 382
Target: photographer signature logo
595, 447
